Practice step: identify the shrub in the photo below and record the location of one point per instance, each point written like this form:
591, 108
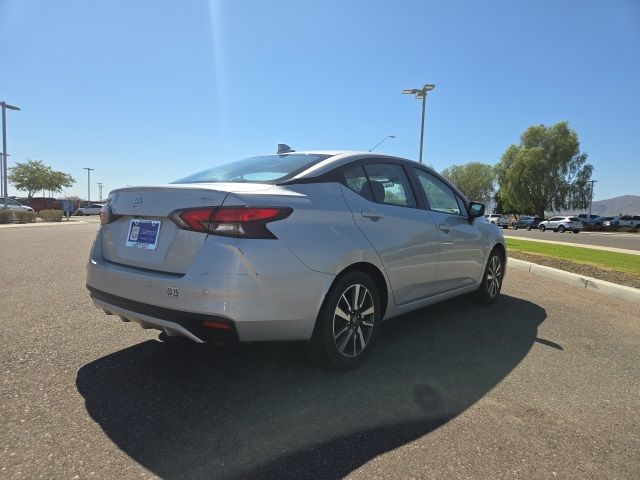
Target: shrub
24, 216
50, 215
6, 215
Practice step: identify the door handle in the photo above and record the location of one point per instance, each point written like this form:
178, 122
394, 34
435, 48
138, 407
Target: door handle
372, 215
445, 228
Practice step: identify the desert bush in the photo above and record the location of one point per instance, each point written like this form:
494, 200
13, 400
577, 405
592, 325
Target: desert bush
6, 215
24, 216
51, 215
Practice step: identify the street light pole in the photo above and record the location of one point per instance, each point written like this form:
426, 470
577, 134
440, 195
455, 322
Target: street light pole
100, 189
88, 184
421, 94
591, 197
5, 192
377, 144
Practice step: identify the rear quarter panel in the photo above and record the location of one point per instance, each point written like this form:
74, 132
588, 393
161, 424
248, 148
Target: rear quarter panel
320, 231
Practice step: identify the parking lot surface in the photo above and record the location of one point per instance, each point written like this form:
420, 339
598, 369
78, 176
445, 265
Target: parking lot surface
543, 384
629, 241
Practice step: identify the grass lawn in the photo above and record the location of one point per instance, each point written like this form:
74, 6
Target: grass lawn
621, 262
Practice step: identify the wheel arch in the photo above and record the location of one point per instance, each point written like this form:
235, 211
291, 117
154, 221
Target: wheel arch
376, 275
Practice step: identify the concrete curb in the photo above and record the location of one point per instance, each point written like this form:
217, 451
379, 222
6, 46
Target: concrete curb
607, 288
42, 224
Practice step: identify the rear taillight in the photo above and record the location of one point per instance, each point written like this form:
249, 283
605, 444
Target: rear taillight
239, 222
107, 215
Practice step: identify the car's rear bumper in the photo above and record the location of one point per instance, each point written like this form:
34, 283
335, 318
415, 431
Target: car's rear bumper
264, 296
198, 327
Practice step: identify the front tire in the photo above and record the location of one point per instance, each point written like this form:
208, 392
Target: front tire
347, 324
492, 281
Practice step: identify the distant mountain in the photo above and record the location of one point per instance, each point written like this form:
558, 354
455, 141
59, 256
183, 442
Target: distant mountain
613, 206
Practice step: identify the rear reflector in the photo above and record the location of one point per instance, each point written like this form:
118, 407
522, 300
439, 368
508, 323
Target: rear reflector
239, 222
216, 325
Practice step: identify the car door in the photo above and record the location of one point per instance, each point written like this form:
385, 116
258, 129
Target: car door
461, 246
386, 211
554, 222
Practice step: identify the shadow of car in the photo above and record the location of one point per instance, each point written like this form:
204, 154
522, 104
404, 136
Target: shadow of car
259, 410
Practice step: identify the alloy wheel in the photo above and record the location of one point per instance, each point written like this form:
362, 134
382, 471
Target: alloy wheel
494, 276
353, 320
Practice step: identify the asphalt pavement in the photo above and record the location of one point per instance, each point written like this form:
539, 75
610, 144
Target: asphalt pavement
543, 384
628, 241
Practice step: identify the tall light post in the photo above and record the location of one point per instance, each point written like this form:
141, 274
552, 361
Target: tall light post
591, 197
100, 190
421, 94
5, 106
88, 184
377, 144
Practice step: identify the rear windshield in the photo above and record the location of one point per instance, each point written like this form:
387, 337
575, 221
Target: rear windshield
266, 169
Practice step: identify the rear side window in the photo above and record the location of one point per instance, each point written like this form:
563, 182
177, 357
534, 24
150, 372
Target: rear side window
358, 182
574, 219
381, 183
441, 198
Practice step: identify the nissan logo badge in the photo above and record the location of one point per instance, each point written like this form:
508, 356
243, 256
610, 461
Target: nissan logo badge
137, 203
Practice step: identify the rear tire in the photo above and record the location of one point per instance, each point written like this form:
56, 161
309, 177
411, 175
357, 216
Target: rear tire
528, 228
347, 324
492, 280
561, 229
576, 231
542, 228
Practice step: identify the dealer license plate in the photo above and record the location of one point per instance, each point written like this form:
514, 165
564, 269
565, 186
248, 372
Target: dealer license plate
143, 234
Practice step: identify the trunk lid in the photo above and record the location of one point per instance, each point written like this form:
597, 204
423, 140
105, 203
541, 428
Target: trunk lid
175, 249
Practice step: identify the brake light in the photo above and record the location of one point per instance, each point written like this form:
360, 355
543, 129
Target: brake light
239, 222
107, 215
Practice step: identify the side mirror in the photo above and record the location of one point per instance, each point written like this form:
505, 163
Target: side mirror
476, 210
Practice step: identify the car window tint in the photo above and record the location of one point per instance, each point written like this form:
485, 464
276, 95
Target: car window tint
356, 180
390, 184
441, 198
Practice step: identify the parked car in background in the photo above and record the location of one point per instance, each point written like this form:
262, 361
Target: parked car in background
593, 220
14, 205
91, 209
561, 224
630, 221
502, 221
44, 203
527, 222
310, 246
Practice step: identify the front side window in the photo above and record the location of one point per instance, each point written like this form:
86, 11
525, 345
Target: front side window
265, 169
441, 198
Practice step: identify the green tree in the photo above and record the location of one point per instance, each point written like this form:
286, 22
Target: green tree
33, 175
546, 171
476, 180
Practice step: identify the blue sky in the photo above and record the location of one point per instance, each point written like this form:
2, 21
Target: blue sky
148, 91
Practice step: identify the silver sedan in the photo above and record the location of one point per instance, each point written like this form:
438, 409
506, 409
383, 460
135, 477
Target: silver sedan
318, 247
